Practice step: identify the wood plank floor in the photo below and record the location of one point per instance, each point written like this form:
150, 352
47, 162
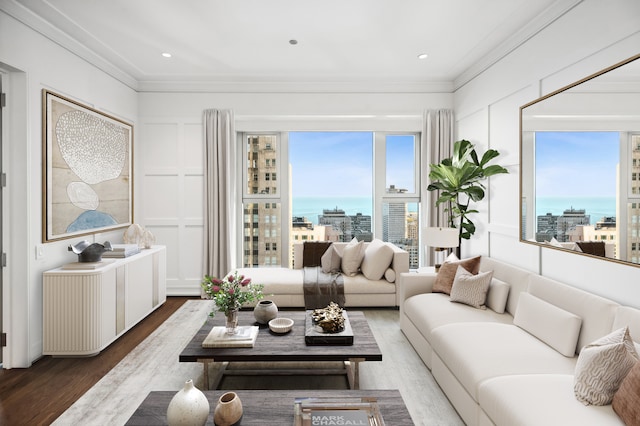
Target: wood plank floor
39, 394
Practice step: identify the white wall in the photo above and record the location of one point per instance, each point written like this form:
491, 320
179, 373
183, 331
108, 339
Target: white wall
31, 63
169, 166
591, 37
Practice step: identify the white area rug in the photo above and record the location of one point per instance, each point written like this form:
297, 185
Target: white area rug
152, 366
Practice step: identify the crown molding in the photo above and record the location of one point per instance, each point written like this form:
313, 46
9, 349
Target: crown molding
535, 26
49, 31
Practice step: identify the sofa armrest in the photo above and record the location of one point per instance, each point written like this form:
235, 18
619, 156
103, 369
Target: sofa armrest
412, 283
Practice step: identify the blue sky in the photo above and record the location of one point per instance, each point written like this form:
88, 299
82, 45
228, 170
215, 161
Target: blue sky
340, 164
581, 164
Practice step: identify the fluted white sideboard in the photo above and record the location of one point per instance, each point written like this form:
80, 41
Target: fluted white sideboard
85, 310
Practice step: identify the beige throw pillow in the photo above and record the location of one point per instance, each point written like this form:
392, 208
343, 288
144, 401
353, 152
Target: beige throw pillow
377, 258
626, 401
331, 261
447, 272
471, 289
497, 295
352, 256
602, 366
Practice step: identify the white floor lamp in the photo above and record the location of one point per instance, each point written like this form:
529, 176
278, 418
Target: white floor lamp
441, 239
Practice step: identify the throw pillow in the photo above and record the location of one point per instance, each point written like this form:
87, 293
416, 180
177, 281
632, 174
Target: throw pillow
602, 366
312, 252
352, 256
498, 295
331, 261
377, 258
447, 272
626, 401
390, 275
554, 326
471, 289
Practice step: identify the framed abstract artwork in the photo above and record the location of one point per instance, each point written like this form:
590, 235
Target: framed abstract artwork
87, 171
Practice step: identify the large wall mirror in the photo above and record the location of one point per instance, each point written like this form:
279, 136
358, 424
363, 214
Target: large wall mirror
580, 166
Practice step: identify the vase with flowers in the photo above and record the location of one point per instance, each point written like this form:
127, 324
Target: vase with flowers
229, 294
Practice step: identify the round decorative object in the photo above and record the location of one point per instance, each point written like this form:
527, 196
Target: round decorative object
188, 407
228, 412
281, 325
265, 311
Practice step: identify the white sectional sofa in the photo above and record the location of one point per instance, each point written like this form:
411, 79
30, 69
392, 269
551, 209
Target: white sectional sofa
285, 285
499, 372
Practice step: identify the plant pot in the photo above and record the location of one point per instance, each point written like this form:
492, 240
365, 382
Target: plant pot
228, 412
188, 407
265, 311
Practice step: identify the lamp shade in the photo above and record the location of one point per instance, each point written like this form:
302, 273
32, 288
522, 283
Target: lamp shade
441, 237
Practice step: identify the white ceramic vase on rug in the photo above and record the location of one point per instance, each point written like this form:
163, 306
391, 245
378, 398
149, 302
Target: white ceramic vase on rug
265, 311
228, 412
188, 407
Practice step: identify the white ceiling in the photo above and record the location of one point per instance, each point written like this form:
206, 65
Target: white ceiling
236, 42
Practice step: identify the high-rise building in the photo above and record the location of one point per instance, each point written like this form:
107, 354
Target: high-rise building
347, 226
569, 219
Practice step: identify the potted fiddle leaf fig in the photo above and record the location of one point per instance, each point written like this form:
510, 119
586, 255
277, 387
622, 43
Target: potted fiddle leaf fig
459, 180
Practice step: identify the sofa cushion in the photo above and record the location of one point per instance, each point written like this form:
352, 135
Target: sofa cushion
359, 284
470, 289
390, 275
539, 399
352, 256
626, 401
447, 272
497, 295
554, 326
477, 351
602, 366
276, 280
331, 261
377, 258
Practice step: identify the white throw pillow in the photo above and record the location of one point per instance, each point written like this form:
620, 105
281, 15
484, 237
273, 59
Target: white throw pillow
602, 366
377, 258
498, 295
554, 326
390, 275
331, 261
352, 256
470, 289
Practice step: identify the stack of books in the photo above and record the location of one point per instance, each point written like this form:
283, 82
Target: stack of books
218, 338
122, 250
86, 265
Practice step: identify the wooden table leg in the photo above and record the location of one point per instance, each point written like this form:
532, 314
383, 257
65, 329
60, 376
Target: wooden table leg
205, 376
353, 372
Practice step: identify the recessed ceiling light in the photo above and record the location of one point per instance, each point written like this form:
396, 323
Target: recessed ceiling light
166, 54
293, 41
422, 56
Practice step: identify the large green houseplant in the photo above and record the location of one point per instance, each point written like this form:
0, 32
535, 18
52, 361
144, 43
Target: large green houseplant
459, 180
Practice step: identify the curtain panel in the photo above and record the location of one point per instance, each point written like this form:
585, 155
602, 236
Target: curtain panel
220, 192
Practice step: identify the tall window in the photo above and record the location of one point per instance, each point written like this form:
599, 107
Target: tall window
340, 185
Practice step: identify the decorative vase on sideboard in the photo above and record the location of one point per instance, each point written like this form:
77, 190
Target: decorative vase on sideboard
188, 407
228, 412
265, 311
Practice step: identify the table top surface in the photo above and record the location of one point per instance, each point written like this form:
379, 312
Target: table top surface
271, 408
291, 346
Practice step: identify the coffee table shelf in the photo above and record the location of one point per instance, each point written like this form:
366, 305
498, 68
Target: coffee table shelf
289, 347
272, 408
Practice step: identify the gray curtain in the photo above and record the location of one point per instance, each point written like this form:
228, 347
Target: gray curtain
220, 192
437, 144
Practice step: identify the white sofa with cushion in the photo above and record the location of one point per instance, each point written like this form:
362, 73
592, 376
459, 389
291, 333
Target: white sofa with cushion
381, 262
515, 361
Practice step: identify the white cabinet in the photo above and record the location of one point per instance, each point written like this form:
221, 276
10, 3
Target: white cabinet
87, 309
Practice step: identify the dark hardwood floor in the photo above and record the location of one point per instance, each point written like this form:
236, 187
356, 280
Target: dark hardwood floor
40, 394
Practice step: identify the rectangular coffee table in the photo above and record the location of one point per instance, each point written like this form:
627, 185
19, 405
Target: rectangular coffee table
289, 347
271, 408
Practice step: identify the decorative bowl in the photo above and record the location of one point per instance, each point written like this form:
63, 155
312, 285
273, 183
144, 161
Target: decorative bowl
281, 325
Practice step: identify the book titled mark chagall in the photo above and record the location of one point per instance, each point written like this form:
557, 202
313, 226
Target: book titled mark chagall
340, 418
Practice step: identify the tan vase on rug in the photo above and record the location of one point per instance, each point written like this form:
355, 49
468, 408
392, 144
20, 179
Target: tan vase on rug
228, 412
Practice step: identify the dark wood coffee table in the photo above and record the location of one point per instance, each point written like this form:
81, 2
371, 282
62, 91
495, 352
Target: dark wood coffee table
271, 408
289, 347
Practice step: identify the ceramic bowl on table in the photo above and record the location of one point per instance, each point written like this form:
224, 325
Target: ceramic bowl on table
281, 325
